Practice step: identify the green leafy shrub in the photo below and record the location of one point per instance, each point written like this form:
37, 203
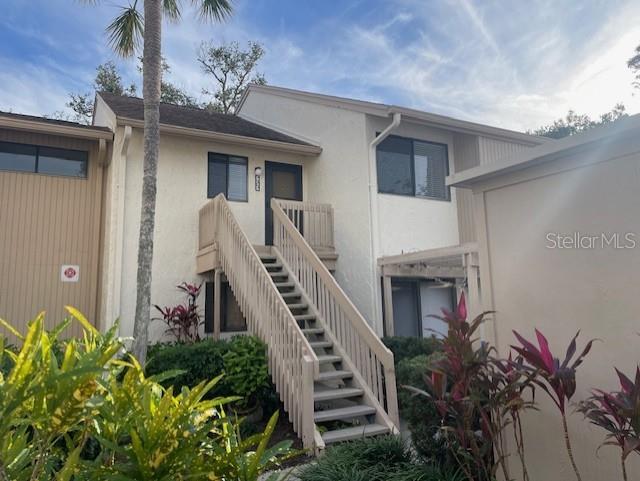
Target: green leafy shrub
408, 347
45, 405
204, 360
384, 458
199, 361
245, 368
420, 413
93, 416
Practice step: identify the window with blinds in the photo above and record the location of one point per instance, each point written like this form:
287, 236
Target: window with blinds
227, 175
413, 168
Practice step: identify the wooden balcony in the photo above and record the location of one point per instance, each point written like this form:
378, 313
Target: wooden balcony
314, 221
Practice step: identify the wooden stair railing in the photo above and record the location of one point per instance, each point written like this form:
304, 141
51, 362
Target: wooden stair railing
364, 352
293, 364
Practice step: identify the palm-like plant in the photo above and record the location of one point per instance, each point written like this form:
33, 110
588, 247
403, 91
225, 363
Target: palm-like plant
618, 413
127, 31
556, 378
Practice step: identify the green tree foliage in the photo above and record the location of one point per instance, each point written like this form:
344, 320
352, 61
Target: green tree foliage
232, 69
634, 65
107, 79
574, 123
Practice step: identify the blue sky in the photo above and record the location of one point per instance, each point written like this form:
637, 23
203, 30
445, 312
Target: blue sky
516, 64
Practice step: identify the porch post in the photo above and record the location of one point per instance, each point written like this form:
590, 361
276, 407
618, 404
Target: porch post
471, 269
388, 304
217, 303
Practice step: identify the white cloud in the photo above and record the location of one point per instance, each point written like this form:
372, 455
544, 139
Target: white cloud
511, 64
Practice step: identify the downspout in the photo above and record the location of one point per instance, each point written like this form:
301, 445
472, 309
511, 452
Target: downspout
373, 209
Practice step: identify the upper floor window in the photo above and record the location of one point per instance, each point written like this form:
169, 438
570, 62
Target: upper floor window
43, 160
228, 176
412, 167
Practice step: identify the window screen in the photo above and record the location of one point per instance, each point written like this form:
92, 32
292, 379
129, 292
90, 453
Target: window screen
430, 170
227, 175
394, 166
412, 167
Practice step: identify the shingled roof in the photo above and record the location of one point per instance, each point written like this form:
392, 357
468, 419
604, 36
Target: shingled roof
46, 120
195, 118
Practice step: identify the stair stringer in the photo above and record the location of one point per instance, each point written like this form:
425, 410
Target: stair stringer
370, 399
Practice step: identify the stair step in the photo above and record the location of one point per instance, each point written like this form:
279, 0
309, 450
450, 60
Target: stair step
279, 274
274, 266
334, 375
313, 330
268, 258
298, 306
343, 413
333, 394
285, 284
321, 344
305, 317
290, 295
355, 432
329, 358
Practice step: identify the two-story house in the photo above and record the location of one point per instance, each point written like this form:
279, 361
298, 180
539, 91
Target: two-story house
317, 223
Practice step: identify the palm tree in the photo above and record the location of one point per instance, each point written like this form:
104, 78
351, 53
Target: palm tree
126, 32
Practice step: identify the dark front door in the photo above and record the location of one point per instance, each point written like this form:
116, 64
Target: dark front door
282, 181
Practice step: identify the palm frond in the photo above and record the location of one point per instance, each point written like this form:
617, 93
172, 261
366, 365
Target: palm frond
171, 9
126, 31
214, 9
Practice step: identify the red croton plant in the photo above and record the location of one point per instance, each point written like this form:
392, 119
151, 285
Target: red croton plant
556, 378
183, 321
618, 413
477, 397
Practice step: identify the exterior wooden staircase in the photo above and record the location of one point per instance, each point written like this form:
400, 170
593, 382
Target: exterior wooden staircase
341, 412
332, 372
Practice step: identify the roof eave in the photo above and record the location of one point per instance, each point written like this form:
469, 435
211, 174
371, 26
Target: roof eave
384, 110
302, 149
544, 153
55, 129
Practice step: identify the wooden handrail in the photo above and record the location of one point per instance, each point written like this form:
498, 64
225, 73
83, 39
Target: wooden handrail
314, 221
372, 359
293, 364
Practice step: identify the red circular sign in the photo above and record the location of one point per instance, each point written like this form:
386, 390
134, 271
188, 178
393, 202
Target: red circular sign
70, 272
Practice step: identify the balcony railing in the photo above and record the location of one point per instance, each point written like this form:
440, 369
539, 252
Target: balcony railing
314, 221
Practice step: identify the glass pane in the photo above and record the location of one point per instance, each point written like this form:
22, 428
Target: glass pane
406, 318
430, 165
70, 163
217, 178
394, 166
237, 178
284, 184
21, 158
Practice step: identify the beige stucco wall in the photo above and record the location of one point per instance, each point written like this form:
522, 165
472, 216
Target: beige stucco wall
561, 291
338, 177
182, 190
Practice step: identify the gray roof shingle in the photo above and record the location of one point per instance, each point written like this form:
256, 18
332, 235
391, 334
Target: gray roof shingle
47, 120
195, 118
